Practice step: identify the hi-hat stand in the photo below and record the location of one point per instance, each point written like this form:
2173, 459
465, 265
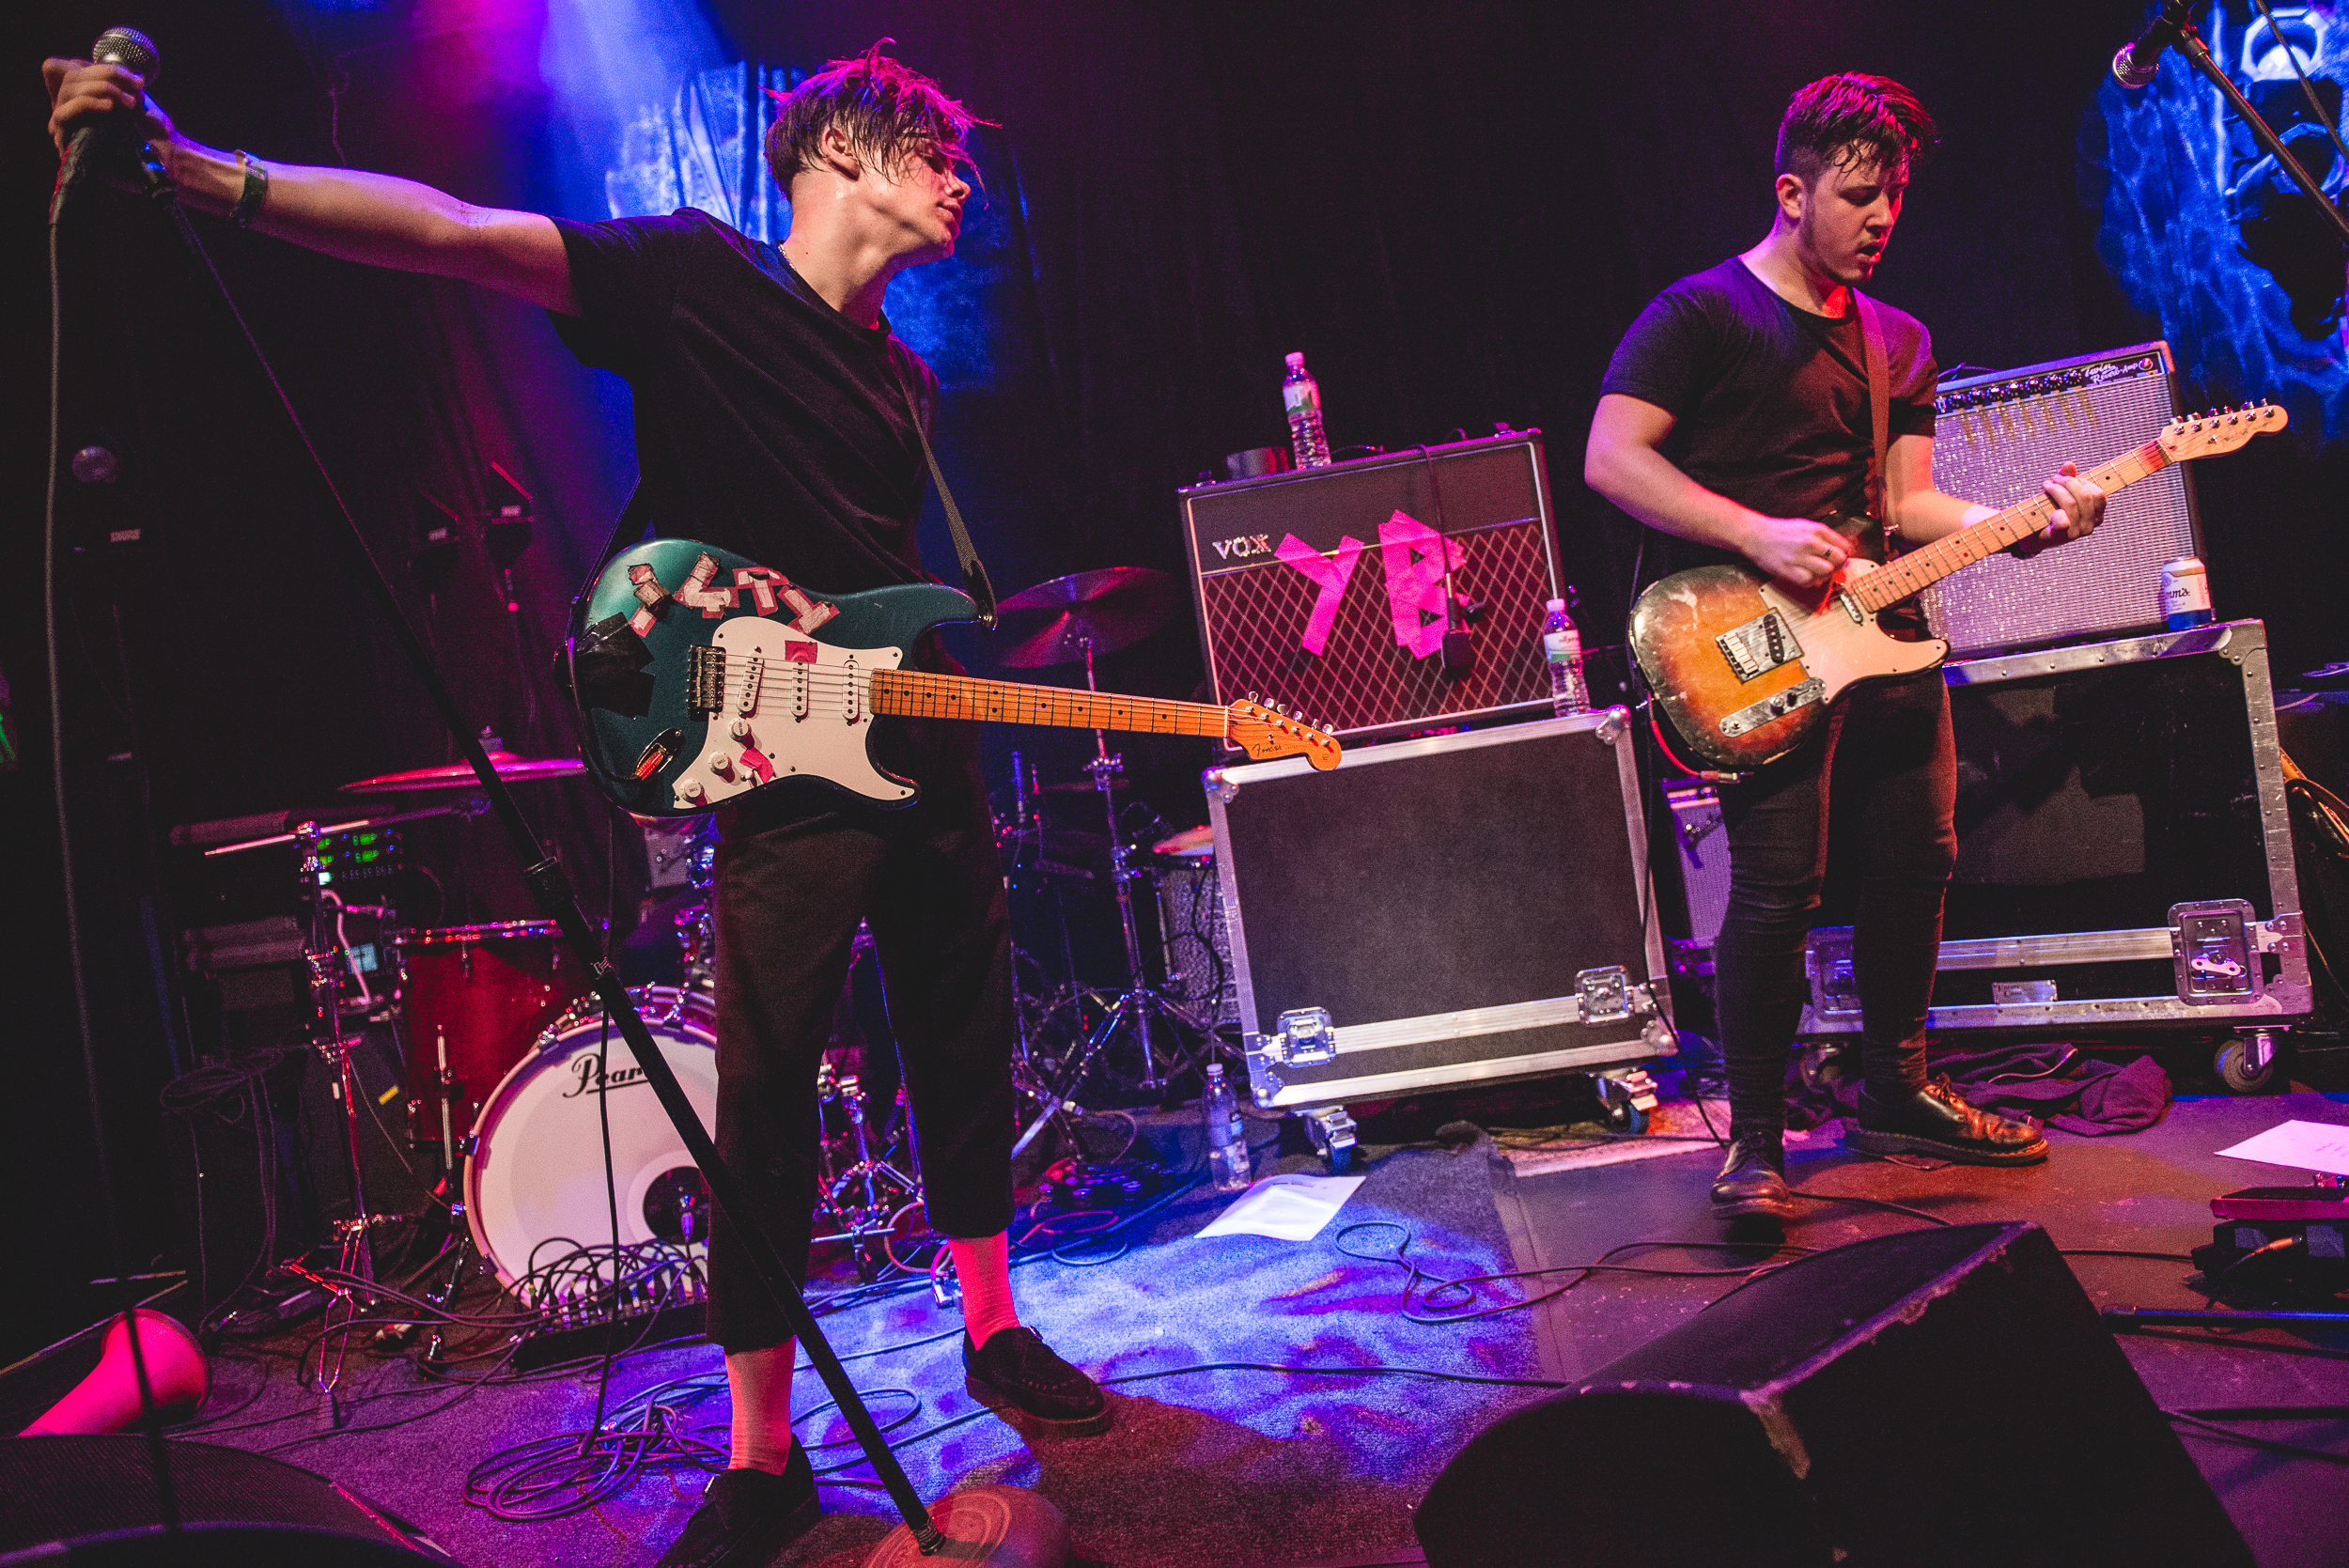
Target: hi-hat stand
1138, 1007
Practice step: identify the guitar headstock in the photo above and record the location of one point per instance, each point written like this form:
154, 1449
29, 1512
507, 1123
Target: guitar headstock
2204, 435
1264, 733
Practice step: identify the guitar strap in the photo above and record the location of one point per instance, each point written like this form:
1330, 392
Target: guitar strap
1879, 410
626, 532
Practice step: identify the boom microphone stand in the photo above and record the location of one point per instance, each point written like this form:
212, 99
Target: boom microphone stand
1004, 1523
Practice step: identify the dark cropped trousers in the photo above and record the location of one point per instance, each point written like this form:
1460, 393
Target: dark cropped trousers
1885, 765
791, 891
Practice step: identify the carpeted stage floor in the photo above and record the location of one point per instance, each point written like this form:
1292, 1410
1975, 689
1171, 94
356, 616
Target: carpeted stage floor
1255, 1466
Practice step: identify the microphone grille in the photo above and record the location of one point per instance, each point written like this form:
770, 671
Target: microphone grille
129, 48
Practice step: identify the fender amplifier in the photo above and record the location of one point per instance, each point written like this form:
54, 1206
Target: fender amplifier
1329, 590
1998, 438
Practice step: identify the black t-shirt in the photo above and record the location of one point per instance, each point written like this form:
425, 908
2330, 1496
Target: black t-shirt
1771, 401
766, 422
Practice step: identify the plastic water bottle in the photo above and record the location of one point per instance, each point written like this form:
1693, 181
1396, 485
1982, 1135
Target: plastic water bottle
1302, 396
1228, 1144
1561, 646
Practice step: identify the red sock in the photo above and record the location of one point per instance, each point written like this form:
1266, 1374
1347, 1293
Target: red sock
984, 1267
760, 1382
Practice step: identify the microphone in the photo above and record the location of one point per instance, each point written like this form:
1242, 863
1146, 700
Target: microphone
2135, 63
134, 51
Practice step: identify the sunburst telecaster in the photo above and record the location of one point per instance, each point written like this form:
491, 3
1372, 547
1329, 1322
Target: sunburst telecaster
1745, 665
701, 677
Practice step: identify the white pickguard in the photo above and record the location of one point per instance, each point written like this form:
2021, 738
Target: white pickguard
799, 706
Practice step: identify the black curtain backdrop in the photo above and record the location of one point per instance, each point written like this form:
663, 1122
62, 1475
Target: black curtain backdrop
1453, 210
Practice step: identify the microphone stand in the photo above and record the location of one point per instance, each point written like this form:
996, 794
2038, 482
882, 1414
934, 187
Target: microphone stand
2189, 43
551, 888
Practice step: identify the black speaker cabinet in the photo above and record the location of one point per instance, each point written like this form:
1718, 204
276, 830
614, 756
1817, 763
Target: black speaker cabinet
1323, 589
74, 1500
1998, 438
1940, 1398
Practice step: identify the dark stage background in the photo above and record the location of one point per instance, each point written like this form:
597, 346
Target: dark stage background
1454, 210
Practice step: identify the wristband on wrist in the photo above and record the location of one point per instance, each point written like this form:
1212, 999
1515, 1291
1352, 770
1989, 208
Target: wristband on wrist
255, 190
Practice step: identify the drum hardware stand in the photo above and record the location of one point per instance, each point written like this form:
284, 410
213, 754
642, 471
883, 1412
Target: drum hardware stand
1137, 1003
883, 1188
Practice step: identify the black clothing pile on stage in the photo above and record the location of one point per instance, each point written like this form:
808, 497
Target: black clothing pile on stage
770, 424
1772, 400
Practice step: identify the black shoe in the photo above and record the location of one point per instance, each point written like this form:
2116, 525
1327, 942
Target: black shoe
1936, 1121
1015, 1374
1753, 1181
747, 1517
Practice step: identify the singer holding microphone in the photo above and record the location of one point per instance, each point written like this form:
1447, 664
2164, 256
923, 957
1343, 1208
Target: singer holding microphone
777, 412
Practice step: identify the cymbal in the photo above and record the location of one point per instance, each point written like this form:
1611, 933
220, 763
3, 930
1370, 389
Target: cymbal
1115, 606
512, 768
1081, 786
1191, 844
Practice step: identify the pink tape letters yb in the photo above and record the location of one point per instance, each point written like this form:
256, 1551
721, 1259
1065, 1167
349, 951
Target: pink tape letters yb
1418, 562
1329, 576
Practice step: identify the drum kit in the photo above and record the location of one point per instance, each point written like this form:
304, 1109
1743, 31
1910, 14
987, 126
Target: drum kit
511, 1066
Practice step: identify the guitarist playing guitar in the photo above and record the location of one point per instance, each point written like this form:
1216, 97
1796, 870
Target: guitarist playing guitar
779, 419
1738, 409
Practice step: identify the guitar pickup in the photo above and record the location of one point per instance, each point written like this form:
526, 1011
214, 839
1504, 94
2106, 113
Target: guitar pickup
1760, 646
705, 680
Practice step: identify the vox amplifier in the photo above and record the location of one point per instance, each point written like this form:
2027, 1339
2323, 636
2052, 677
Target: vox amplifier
1330, 590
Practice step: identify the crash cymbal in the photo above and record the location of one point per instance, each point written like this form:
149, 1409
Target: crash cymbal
512, 768
1081, 786
1115, 606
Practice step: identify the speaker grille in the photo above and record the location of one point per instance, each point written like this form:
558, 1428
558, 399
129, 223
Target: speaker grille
1998, 438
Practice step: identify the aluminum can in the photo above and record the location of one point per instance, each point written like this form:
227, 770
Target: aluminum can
2184, 594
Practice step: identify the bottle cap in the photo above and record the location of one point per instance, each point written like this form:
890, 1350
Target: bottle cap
1556, 607
1296, 361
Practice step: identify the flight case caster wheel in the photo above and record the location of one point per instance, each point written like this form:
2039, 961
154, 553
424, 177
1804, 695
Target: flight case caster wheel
1627, 1095
2247, 1064
1332, 1132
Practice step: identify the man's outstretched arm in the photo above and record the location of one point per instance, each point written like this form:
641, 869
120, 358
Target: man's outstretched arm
378, 219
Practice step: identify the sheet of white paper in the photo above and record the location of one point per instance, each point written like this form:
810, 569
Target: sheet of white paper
1286, 1208
2303, 1145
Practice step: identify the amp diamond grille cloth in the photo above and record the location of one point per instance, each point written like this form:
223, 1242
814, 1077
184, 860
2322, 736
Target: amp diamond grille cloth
1362, 681
2110, 583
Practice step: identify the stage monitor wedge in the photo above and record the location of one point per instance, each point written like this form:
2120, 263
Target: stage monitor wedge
1944, 1397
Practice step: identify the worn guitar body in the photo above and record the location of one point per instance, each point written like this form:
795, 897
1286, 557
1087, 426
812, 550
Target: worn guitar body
1744, 669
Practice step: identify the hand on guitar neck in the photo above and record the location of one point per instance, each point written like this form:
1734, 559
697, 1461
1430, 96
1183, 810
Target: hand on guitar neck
2079, 506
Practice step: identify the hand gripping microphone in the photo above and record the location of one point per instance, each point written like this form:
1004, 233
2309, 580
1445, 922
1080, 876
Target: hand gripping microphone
134, 51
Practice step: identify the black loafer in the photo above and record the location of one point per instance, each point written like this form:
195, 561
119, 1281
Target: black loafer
747, 1517
1016, 1375
1753, 1181
1936, 1121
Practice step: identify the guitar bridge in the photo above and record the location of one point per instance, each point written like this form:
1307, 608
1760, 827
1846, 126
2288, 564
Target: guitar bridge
1759, 646
705, 681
